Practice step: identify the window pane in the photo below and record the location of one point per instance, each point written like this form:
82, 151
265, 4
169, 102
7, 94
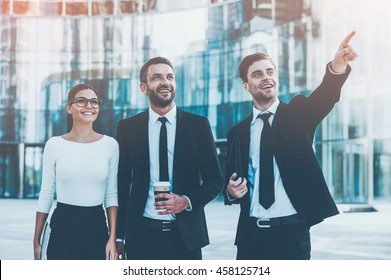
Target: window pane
103, 8
149, 5
50, 8
24, 8
77, 8
128, 6
5, 7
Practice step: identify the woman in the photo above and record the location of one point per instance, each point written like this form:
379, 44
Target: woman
81, 167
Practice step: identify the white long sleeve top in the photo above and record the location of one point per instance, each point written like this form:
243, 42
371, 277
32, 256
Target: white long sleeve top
81, 174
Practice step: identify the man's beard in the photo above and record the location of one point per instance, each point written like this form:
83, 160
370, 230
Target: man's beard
158, 101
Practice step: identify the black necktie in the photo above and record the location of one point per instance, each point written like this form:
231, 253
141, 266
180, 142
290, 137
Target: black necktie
266, 174
163, 152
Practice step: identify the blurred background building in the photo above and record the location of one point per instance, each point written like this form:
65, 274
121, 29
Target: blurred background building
47, 46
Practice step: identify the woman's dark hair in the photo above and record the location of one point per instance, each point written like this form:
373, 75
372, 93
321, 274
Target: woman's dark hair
72, 93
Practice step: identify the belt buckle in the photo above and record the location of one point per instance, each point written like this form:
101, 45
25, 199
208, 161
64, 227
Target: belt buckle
259, 221
168, 227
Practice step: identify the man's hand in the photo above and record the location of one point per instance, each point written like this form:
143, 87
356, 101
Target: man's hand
344, 55
173, 205
237, 188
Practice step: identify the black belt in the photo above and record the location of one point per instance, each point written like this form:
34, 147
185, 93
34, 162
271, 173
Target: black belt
163, 225
280, 221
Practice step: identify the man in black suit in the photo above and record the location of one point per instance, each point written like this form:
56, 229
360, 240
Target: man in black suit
281, 189
164, 143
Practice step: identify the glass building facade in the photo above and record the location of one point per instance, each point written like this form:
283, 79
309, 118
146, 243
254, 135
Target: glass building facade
47, 46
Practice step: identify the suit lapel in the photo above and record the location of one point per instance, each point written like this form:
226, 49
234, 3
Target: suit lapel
281, 109
180, 137
143, 147
244, 134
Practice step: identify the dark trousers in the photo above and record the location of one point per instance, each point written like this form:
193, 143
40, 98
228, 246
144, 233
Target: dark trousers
155, 244
283, 242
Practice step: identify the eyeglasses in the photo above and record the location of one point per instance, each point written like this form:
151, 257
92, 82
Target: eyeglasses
82, 102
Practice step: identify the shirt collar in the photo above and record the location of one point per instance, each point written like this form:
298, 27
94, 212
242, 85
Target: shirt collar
171, 115
272, 109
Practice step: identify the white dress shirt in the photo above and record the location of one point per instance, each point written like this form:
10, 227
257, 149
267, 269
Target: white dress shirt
282, 205
154, 126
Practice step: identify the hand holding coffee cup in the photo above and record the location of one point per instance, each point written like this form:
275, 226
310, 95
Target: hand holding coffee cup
161, 187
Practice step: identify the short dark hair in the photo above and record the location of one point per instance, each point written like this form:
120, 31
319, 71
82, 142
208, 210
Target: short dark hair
249, 60
154, 60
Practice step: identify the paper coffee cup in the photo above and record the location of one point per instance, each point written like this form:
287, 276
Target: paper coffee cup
161, 187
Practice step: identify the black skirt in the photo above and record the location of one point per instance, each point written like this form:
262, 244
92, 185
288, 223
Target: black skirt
77, 233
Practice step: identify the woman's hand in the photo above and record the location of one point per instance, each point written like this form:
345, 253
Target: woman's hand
37, 251
111, 250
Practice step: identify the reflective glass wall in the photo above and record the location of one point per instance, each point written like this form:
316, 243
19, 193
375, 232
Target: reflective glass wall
353, 143
49, 46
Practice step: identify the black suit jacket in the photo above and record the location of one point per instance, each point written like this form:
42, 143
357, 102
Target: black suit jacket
293, 132
196, 174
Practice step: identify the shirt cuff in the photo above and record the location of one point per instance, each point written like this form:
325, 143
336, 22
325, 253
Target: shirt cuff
333, 72
190, 207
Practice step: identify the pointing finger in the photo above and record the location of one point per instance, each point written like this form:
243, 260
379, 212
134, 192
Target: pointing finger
346, 41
